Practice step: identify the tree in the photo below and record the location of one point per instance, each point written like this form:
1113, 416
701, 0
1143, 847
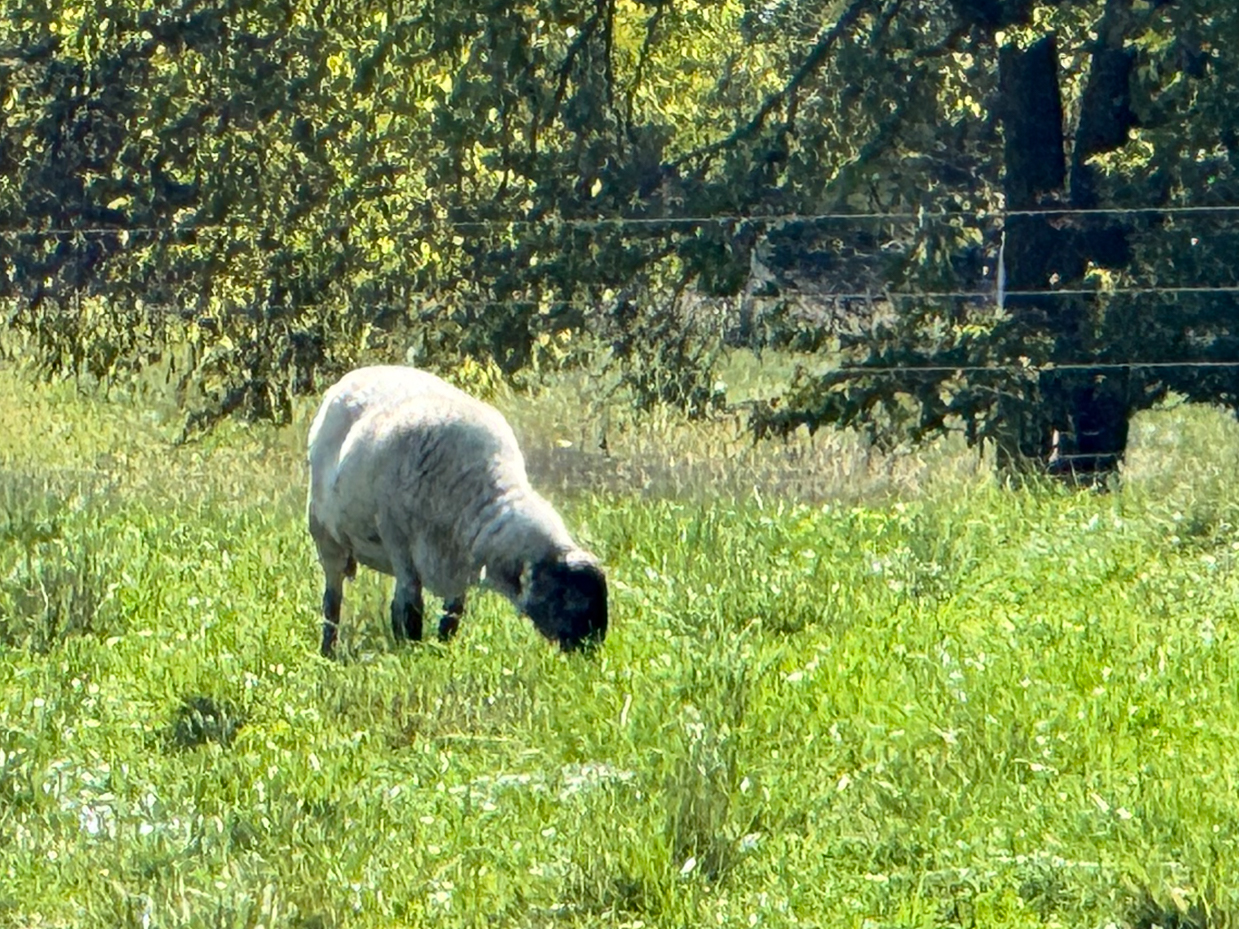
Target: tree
1106, 106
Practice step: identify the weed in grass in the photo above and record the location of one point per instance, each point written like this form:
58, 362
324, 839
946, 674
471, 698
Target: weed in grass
56, 590
698, 797
29, 509
699, 791
1046, 891
17, 778
54, 576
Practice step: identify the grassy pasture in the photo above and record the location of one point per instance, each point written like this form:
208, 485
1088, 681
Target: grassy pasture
839, 691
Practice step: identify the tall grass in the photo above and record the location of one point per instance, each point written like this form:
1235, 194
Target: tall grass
897, 695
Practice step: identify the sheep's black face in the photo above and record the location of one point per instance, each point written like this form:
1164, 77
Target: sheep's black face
567, 601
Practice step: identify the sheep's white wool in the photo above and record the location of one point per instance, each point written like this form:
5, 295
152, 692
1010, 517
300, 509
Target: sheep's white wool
410, 475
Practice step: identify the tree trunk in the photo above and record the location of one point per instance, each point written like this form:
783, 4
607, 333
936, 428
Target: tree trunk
1097, 406
1091, 445
1080, 429
1031, 112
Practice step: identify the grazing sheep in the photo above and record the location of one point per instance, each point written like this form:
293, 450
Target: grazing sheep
417, 479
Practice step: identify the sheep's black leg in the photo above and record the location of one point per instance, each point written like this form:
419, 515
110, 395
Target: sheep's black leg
337, 564
406, 604
332, 598
453, 610
406, 612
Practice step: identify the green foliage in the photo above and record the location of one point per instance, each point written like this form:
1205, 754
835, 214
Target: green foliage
662, 355
200, 720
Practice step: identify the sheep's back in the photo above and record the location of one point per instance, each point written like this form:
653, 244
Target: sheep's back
401, 442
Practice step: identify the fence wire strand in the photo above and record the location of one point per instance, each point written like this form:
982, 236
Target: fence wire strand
506, 223
997, 294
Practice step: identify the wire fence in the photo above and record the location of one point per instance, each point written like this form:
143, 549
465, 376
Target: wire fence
722, 219
426, 302
997, 294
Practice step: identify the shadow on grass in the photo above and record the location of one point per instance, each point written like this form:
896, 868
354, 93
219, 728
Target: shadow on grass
199, 720
1150, 912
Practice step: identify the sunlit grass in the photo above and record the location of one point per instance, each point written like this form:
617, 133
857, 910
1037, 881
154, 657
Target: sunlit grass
915, 700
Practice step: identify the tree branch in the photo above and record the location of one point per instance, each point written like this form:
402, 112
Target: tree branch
826, 41
565, 67
651, 27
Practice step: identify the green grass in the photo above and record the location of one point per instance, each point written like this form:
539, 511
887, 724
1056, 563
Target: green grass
919, 700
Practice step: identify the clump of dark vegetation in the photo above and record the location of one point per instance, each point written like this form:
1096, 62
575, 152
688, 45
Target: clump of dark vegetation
199, 720
1151, 912
609, 893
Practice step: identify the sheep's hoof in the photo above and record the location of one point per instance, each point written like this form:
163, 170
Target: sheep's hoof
328, 648
448, 626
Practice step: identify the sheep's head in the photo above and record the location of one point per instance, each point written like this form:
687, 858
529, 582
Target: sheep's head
566, 597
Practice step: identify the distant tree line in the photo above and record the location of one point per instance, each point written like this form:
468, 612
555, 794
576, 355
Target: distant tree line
261, 193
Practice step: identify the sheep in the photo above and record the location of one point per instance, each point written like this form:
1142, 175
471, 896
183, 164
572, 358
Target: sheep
417, 479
